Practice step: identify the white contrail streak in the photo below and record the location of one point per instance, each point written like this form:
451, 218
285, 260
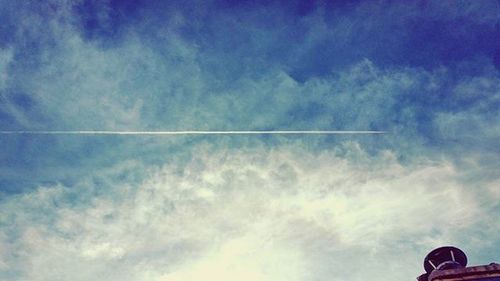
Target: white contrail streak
173, 133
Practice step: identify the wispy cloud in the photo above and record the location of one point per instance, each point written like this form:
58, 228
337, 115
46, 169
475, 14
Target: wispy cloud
236, 212
80, 200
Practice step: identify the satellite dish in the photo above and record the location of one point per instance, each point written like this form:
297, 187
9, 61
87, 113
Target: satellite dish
445, 258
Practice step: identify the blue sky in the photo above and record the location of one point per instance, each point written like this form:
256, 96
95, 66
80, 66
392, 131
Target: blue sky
256, 207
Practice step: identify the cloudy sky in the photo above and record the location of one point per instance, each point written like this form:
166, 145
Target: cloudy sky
253, 207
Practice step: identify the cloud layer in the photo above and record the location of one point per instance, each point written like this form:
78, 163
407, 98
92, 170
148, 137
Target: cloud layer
255, 207
259, 214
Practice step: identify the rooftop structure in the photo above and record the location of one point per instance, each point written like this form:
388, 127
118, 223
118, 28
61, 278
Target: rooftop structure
450, 264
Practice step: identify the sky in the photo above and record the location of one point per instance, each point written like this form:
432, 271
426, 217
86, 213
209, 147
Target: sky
247, 207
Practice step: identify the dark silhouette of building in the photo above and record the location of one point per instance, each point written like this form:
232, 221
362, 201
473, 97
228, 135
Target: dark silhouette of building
450, 264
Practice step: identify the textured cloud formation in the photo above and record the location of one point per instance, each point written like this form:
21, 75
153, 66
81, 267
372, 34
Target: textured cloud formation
254, 207
257, 214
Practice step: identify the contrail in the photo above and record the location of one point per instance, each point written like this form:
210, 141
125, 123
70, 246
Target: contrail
173, 133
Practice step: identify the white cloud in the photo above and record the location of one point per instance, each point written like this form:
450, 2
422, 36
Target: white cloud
283, 214
260, 214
